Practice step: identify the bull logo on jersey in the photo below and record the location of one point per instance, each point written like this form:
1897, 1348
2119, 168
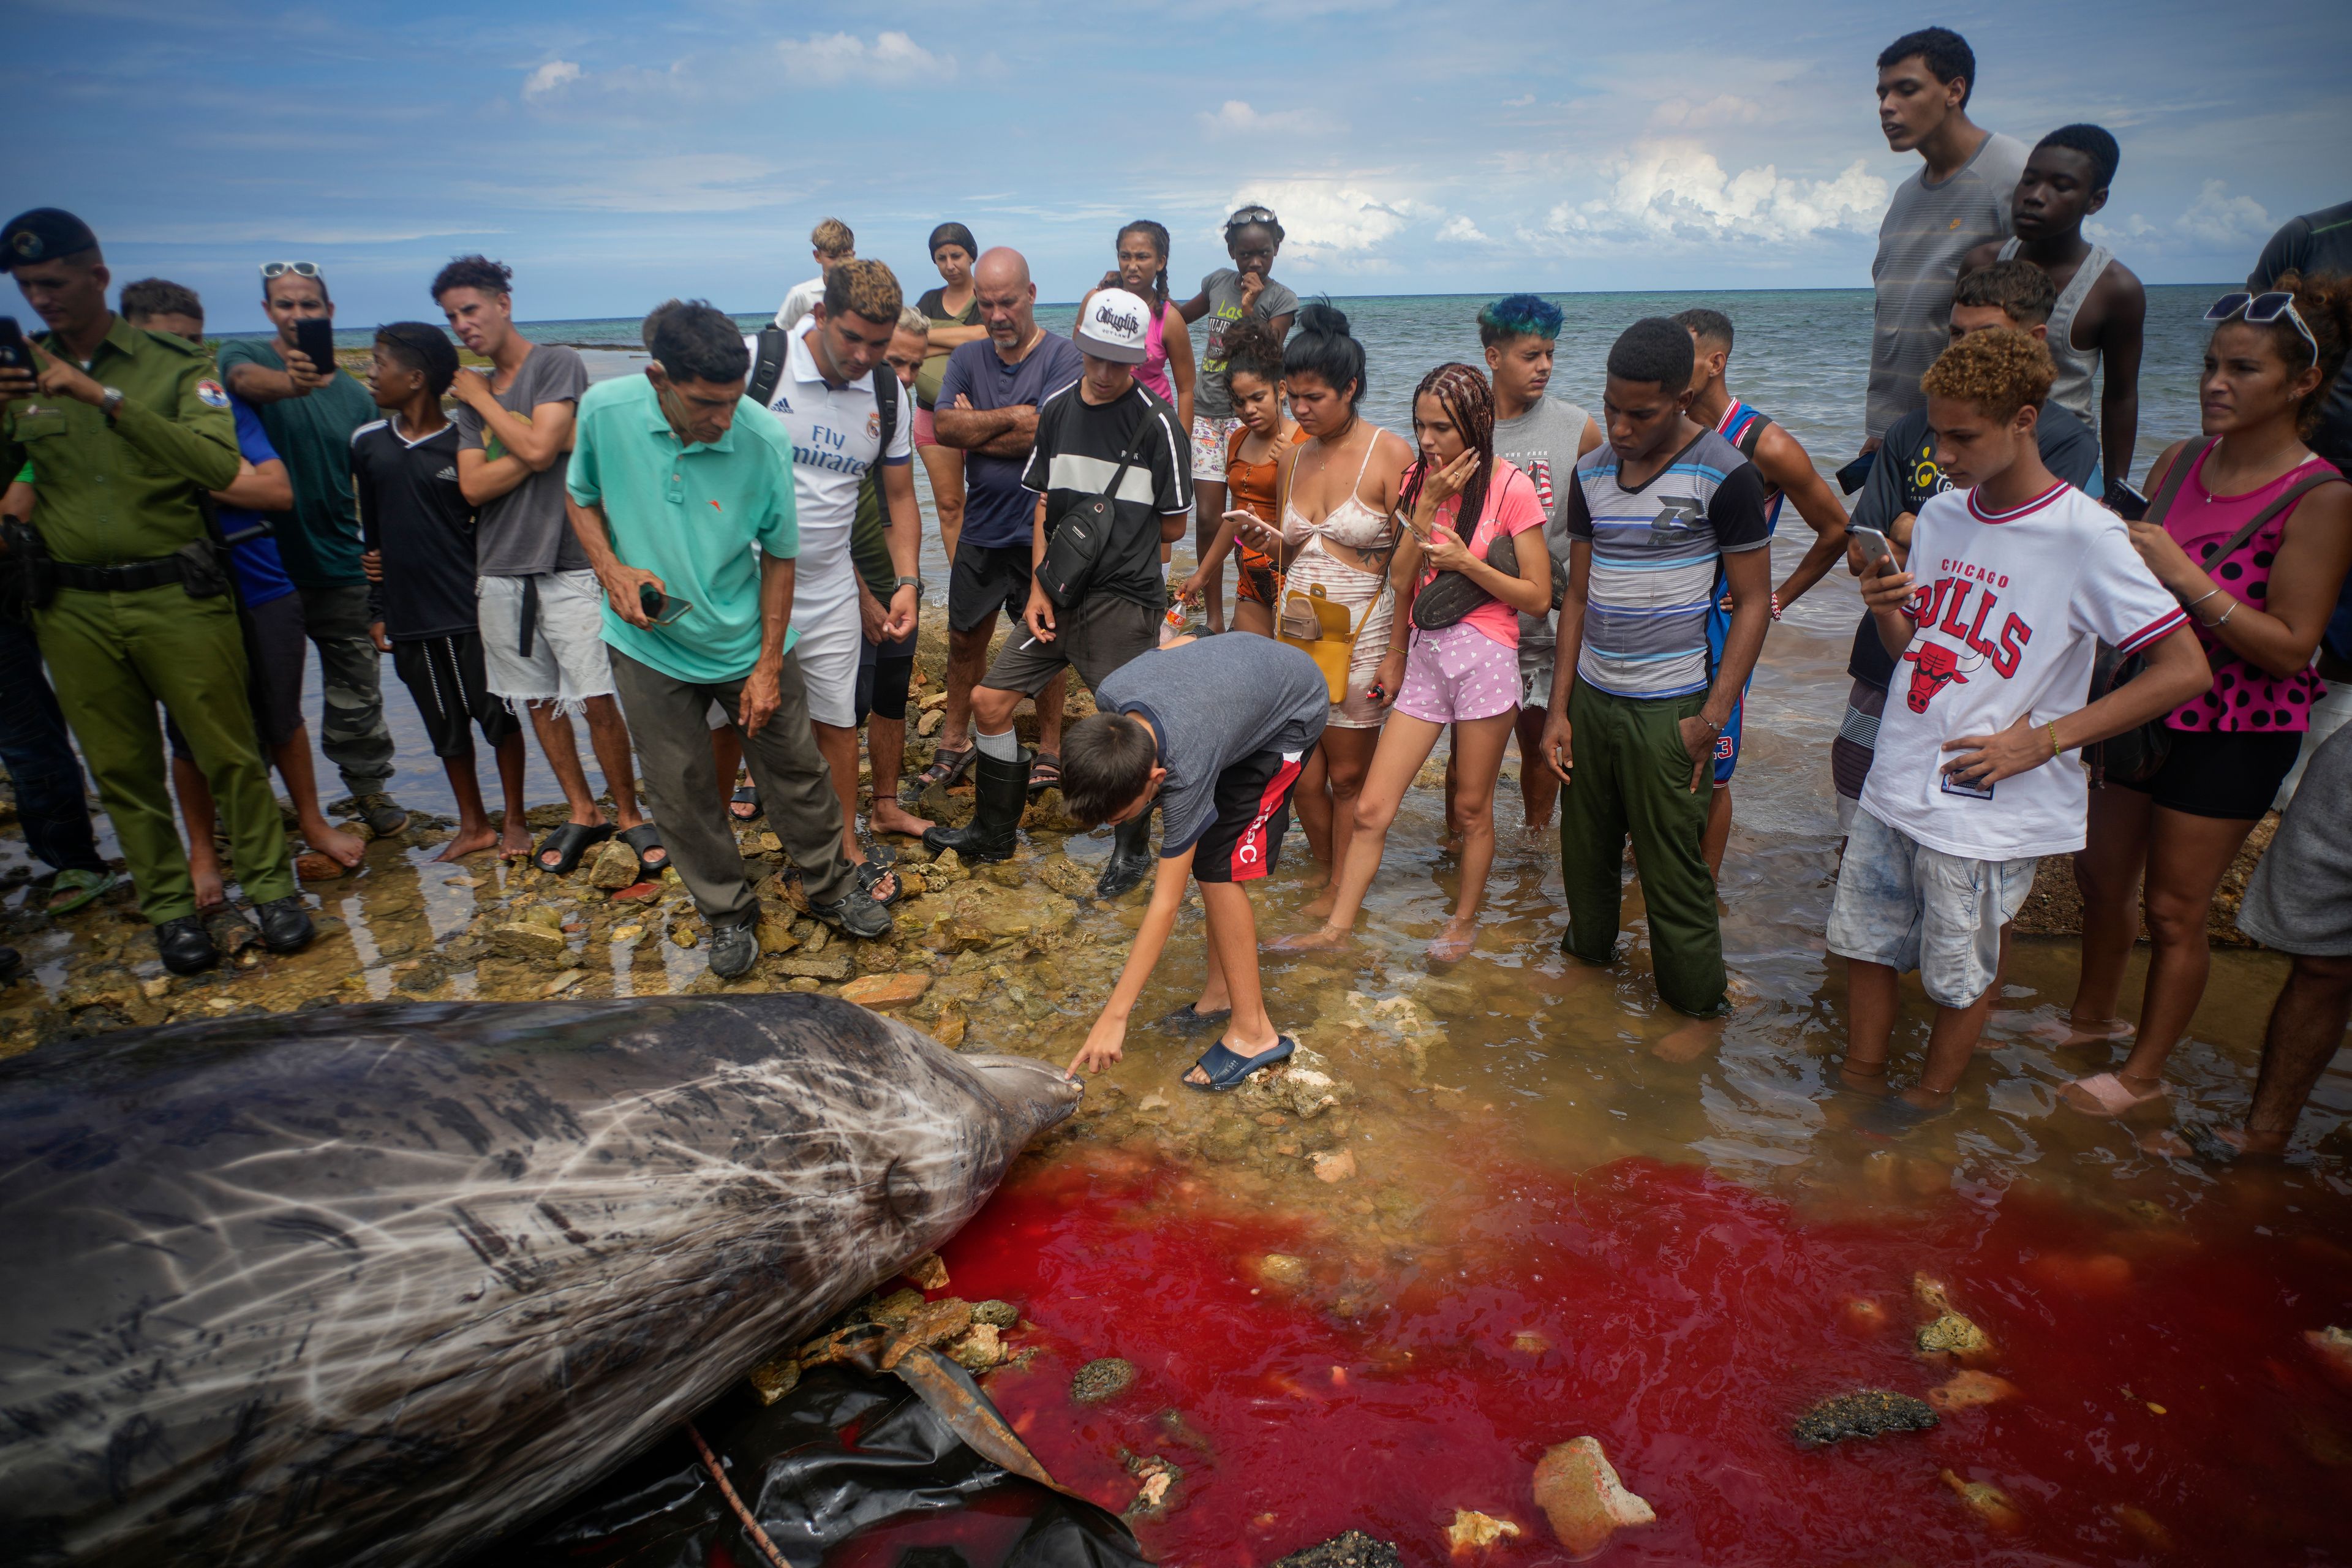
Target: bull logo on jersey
1935, 666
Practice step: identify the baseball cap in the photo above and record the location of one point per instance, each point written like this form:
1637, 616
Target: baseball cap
1114, 326
43, 234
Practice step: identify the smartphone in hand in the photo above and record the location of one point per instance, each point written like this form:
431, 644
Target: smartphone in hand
659, 607
1857, 474
15, 352
2126, 501
315, 336
1872, 543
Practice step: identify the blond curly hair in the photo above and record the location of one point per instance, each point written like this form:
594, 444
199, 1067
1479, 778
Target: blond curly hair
868, 287
2001, 371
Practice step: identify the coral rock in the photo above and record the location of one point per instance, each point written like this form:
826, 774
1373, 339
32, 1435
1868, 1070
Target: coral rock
1988, 1503
1952, 1334
772, 1380
1867, 1413
1471, 1530
1102, 1380
1339, 1165
979, 1348
615, 866
886, 990
928, 1273
527, 940
1970, 1389
1578, 1490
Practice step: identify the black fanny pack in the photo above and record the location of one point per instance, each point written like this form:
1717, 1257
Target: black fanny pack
1450, 596
1076, 541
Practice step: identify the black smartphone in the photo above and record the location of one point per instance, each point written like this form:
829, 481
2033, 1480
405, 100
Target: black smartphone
2127, 503
315, 336
15, 353
658, 607
1857, 474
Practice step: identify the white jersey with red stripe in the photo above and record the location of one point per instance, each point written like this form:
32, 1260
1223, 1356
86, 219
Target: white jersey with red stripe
2008, 609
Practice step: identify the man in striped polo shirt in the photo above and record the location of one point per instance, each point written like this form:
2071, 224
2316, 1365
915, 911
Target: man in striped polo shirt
1638, 697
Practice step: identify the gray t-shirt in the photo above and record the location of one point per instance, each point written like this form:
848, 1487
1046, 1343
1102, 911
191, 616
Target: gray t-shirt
1927, 232
1214, 702
1541, 444
524, 533
1223, 288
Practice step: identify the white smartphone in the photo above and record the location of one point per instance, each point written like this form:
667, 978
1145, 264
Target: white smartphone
1872, 545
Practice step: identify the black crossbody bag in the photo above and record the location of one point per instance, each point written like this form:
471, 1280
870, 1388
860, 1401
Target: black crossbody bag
1076, 541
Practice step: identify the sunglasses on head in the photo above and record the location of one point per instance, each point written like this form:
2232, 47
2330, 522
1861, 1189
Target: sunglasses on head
2261, 309
1250, 215
280, 268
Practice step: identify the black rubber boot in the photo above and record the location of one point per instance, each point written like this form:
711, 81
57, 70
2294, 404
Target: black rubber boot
1000, 794
1130, 857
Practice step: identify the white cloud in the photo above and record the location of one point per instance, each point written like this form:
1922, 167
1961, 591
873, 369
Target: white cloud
550, 77
2223, 221
1461, 230
1329, 222
891, 58
1236, 118
1723, 109
1676, 191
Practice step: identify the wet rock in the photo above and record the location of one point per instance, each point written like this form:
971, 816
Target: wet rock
547, 915
1953, 1335
933, 1323
775, 937
948, 810
1988, 1503
1931, 1295
979, 1348
686, 934
1226, 1140
1579, 1492
949, 866
1472, 1531
895, 1308
1098, 1381
1156, 1479
1527, 1342
1009, 914
911, 882
563, 982
1969, 1389
1353, 1550
155, 990
928, 1271
949, 1030
772, 1380
527, 940
615, 866
1867, 1413
886, 990
1282, 1268
997, 1314
810, 966
628, 933
1049, 813
1004, 874
1067, 877
1862, 1316
2334, 1347
804, 982
1339, 1165
928, 724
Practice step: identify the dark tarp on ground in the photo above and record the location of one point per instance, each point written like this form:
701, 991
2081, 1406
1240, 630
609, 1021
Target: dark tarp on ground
844, 1455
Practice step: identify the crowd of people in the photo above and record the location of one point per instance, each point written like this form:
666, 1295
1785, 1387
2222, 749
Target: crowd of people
715, 564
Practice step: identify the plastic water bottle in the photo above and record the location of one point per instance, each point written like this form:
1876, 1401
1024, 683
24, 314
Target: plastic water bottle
1173, 625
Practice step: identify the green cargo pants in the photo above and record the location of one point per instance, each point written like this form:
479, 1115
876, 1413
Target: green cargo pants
1630, 774
112, 658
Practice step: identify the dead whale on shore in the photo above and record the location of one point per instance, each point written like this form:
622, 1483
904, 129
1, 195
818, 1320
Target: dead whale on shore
365, 1285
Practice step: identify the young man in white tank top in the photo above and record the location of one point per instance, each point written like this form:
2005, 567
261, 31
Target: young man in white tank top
2102, 310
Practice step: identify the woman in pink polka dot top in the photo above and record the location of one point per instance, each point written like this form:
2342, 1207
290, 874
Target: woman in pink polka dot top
2260, 611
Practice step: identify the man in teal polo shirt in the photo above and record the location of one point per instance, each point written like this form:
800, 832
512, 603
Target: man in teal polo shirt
673, 480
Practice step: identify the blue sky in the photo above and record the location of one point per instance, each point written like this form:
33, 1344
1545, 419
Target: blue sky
619, 155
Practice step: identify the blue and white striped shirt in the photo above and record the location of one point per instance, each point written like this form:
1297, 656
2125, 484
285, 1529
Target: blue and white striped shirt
1658, 561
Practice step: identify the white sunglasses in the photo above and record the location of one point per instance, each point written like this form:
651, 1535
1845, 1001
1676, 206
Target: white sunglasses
2261, 309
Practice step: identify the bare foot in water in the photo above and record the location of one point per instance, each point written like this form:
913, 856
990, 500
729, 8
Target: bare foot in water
1453, 945
514, 840
2072, 1033
204, 871
1690, 1041
471, 841
1317, 907
335, 844
1867, 1078
1324, 939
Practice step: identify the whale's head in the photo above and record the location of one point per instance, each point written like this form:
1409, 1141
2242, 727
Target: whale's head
1036, 1094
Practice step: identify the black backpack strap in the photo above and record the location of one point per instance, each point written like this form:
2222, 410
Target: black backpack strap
886, 403
768, 369
1750, 438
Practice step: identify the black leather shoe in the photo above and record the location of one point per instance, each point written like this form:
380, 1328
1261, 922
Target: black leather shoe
1131, 857
734, 948
285, 924
1000, 794
12, 964
185, 946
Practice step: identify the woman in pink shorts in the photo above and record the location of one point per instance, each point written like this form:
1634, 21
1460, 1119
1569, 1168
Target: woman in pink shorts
1463, 673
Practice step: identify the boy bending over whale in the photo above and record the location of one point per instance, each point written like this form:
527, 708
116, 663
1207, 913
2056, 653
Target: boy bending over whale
1217, 733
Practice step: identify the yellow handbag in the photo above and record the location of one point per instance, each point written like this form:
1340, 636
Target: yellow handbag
1333, 646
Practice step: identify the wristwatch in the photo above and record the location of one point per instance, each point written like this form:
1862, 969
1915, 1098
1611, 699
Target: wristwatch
914, 583
110, 402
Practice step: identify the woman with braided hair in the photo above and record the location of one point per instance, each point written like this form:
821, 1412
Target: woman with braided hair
1142, 271
1454, 646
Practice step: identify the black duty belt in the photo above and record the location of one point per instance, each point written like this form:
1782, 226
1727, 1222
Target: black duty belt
129, 577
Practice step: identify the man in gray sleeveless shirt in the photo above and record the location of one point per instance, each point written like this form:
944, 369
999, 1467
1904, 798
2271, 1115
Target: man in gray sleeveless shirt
2101, 310
1959, 198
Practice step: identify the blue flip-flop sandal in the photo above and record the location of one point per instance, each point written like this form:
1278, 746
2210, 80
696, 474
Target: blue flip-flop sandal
1226, 1070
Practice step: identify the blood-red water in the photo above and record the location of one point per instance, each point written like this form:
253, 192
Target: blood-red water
1685, 1321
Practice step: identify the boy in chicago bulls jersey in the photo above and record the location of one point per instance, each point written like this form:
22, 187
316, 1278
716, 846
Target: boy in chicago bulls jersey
2015, 578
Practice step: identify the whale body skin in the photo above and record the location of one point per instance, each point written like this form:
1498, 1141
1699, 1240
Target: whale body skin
367, 1285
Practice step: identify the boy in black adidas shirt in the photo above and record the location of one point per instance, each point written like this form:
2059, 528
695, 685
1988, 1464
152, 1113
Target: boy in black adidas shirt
419, 530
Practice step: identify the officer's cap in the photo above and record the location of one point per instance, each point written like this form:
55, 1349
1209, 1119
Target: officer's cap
43, 234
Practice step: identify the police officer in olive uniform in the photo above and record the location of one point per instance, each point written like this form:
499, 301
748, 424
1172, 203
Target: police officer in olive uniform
124, 430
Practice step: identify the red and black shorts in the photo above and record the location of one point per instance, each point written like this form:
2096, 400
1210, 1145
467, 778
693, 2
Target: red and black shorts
1252, 815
